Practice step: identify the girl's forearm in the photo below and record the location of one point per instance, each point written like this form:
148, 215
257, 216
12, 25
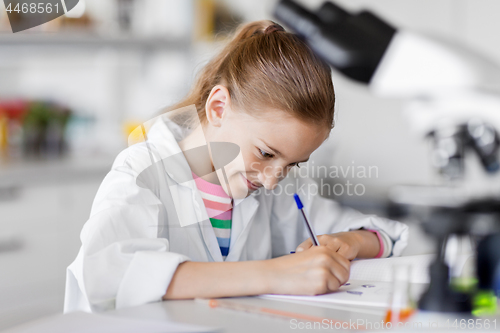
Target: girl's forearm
312, 272
218, 279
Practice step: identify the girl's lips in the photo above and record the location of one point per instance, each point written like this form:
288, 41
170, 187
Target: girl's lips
251, 185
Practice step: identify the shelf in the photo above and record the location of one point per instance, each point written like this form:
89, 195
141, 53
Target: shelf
22, 173
92, 41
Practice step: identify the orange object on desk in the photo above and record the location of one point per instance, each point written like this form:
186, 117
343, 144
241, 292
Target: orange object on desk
404, 314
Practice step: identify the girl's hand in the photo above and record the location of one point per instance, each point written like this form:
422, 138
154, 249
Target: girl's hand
316, 271
346, 244
351, 244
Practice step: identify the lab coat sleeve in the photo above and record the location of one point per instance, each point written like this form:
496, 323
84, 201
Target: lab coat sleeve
122, 262
326, 216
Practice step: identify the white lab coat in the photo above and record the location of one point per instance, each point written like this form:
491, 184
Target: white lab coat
132, 245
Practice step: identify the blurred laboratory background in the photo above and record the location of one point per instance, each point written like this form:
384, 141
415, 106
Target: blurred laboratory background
72, 89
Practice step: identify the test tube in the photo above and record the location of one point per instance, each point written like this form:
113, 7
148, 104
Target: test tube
401, 306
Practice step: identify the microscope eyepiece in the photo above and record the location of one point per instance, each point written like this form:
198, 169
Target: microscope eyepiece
351, 43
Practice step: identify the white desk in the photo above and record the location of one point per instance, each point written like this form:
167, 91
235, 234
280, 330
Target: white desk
229, 321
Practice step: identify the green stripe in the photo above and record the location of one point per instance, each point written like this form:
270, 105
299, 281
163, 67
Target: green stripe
221, 224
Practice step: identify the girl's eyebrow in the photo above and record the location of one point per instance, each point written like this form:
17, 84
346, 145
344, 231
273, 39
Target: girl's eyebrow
275, 151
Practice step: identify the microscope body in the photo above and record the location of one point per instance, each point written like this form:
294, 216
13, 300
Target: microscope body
453, 99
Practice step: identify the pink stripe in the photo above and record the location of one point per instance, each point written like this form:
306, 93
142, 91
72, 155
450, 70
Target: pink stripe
210, 188
213, 213
217, 205
379, 254
225, 216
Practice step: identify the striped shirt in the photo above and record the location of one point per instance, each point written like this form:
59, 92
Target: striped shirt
219, 209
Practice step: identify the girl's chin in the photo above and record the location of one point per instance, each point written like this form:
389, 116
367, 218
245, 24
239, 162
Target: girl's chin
239, 192
238, 187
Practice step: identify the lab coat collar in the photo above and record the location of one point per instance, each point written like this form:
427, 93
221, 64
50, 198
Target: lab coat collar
162, 140
243, 216
207, 231
172, 169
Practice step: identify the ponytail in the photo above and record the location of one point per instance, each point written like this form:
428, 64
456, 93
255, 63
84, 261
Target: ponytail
263, 67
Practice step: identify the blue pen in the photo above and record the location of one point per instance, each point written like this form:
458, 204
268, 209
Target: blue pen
306, 222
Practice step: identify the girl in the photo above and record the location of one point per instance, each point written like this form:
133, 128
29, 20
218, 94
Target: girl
202, 208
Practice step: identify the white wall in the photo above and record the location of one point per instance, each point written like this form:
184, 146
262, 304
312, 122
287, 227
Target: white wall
369, 131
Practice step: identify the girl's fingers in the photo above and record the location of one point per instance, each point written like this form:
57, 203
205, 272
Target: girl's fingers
342, 261
304, 245
338, 264
342, 248
333, 283
323, 240
340, 274
346, 251
334, 244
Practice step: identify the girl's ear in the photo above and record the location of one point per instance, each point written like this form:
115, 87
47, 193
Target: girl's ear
218, 104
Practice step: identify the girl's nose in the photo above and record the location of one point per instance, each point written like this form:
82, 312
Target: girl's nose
271, 183
269, 179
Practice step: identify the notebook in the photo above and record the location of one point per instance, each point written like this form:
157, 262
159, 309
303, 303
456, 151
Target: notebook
370, 282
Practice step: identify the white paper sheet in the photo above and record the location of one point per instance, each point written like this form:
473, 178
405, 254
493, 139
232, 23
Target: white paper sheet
381, 269
370, 282
356, 293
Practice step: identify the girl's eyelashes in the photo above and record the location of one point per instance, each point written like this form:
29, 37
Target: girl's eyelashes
265, 154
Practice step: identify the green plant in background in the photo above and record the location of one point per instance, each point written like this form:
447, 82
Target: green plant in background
44, 125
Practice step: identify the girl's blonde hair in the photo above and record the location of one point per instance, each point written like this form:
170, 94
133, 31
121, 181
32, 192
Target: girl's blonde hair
265, 67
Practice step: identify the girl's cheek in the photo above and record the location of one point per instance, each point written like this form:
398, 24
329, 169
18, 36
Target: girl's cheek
251, 162
254, 166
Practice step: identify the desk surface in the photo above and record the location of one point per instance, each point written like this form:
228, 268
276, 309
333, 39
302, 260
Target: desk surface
193, 312
228, 321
